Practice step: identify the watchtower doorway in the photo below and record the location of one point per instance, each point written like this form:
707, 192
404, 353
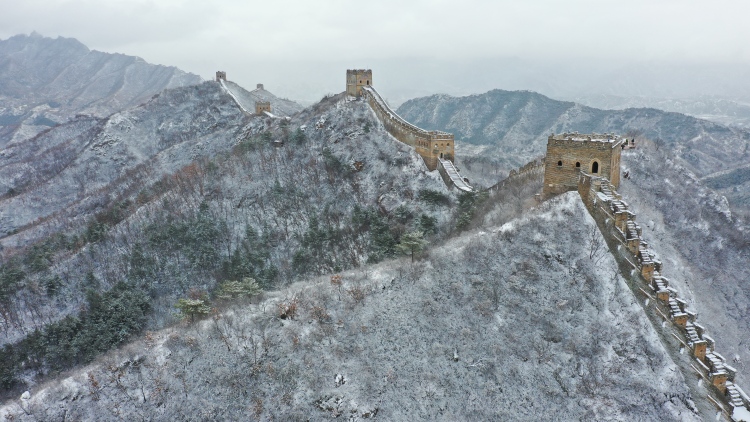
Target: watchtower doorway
595, 167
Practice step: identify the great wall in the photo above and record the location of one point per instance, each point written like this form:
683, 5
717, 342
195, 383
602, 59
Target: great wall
617, 224
589, 164
436, 148
260, 106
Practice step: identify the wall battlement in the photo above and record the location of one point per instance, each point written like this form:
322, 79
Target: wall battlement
625, 237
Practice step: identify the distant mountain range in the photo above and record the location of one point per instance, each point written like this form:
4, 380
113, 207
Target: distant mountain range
46, 81
719, 110
505, 129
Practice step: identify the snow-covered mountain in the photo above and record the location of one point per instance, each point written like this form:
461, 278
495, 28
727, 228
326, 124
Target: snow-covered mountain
46, 81
67, 172
512, 313
269, 198
679, 174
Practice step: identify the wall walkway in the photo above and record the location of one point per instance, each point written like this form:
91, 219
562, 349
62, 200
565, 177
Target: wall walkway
450, 175
433, 146
234, 97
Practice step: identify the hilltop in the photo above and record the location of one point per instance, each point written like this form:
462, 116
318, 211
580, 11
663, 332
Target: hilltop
247, 99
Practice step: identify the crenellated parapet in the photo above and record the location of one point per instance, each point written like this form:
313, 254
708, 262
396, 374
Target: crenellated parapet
533, 167
625, 236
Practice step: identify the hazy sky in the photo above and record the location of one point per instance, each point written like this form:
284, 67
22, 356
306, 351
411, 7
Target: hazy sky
274, 40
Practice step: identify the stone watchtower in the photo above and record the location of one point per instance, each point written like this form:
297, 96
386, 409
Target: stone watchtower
262, 106
356, 79
568, 154
221, 76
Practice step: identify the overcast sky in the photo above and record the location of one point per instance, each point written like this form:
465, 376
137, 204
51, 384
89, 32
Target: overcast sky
279, 40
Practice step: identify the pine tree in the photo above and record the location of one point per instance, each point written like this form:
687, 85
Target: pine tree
195, 304
248, 287
412, 243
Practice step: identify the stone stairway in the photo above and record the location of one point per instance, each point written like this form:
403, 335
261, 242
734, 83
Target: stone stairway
452, 172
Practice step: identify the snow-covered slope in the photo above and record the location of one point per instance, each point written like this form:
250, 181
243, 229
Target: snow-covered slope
68, 170
45, 81
704, 248
510, 323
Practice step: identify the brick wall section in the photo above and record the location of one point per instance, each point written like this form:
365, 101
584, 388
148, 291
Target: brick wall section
624, 236
430, 145
535, 166
568, 154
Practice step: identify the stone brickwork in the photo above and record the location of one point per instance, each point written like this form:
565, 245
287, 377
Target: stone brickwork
430, 145
625, 238
221, 76
569, 154
262, 107
356, 79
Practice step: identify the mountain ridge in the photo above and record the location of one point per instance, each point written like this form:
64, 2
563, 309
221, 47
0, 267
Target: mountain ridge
45, 81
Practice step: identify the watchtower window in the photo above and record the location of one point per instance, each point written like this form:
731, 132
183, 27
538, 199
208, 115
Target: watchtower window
578, 164
559, 163
368, 82
595, 167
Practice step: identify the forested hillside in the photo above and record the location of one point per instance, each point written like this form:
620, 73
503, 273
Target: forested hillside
514, 322
270, 199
